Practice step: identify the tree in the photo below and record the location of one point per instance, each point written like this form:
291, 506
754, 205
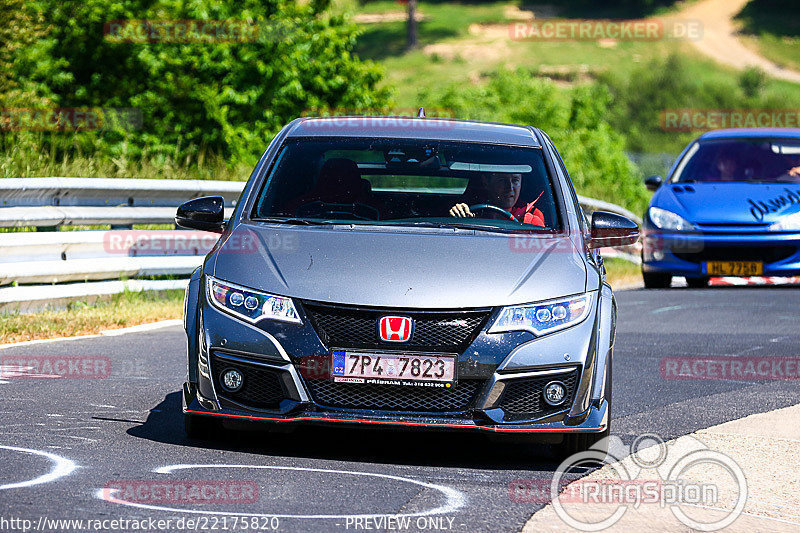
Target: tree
219, 91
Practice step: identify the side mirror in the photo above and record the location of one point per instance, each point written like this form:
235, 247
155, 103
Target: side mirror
653, 182
206, 213
610, 229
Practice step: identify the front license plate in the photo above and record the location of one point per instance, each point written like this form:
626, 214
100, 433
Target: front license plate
401, 369
734, 268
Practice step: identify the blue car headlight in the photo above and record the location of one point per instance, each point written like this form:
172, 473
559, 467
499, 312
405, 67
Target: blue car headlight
664, 219
543, 317
248, 304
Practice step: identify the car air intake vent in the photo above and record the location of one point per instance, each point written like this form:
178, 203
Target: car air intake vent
523, 398
262, 387
395, 397
438, 331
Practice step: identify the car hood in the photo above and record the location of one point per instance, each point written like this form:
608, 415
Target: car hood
730, 203
392, 268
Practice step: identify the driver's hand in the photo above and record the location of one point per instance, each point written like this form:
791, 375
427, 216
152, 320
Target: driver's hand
461, 210
794, 172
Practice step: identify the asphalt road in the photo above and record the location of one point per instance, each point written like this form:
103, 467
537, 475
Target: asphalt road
125, 426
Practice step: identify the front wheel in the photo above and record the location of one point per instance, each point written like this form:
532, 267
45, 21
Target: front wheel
582, 442
697, 283
653, 280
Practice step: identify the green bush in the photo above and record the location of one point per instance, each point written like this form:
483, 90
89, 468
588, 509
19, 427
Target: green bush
195, 98
575, 119
671, 83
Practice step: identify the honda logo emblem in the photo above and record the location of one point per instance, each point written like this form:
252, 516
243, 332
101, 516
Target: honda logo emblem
395, 328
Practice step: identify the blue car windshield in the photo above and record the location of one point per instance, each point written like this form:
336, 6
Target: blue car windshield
408, 182
757, 159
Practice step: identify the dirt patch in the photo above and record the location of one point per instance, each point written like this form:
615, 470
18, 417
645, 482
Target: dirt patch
394, 16
470, 51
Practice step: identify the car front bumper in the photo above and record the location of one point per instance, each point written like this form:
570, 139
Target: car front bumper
501, 378
594, 420
686, 254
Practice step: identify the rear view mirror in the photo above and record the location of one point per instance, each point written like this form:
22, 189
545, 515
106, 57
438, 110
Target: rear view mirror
653, 182
610, 229
206, 214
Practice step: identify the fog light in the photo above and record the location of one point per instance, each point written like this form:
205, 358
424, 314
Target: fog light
555, 393
232, 380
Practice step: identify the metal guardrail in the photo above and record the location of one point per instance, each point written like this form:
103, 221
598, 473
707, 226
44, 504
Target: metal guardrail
591, 205
37, 260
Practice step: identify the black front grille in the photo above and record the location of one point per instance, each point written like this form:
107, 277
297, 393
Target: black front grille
262, 387
348, 327
395, 397
524, 397
765, 254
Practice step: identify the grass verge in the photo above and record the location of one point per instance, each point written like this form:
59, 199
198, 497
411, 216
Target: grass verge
621, 273
80, 318
772, 28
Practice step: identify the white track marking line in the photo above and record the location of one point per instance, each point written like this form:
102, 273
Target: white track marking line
455, 498
62, 467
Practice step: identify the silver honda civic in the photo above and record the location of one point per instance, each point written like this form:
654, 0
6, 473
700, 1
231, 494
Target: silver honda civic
412, 272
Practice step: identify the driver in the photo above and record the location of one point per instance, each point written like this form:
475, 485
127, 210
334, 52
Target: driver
503, 191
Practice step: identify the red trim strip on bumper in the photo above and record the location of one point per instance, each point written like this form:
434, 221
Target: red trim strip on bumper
397, 423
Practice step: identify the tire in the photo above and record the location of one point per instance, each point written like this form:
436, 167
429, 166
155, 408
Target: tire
656, 281
200, 427
581, 442
697, 283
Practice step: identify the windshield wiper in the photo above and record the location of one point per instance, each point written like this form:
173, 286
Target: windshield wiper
458, 225
293, 221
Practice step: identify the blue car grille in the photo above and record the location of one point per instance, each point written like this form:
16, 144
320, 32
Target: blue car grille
769, 253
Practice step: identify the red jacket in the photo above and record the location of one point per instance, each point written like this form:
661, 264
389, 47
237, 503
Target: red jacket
529, 214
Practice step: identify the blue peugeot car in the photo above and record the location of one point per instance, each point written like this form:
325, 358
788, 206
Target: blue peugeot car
730, 206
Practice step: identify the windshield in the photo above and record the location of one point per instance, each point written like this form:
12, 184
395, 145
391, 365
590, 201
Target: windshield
408, 182
764, 159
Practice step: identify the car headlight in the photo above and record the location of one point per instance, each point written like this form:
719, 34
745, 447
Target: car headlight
543, 317
664, 219
787, 223
250, 305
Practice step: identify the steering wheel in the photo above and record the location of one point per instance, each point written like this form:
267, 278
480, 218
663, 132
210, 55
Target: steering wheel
490, 207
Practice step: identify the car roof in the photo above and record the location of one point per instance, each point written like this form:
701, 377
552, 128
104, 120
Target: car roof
428, 128
751, 132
